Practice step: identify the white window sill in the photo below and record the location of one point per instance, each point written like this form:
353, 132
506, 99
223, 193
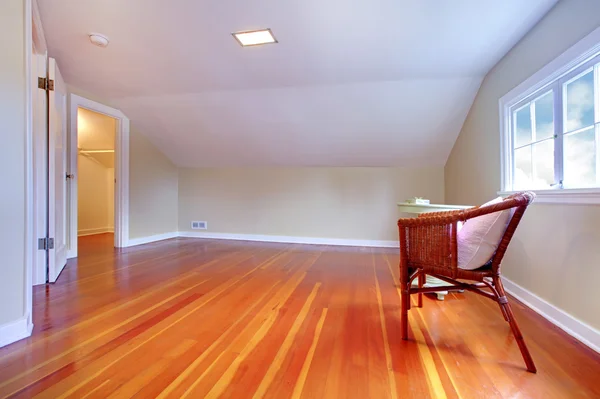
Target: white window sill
565, 196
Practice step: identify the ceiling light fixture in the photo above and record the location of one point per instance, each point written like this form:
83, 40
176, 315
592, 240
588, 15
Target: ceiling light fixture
255, 37
98, 40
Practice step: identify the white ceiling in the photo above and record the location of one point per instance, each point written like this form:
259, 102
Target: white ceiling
369, 82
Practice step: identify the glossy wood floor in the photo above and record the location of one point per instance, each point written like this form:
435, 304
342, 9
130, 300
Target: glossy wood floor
207, 318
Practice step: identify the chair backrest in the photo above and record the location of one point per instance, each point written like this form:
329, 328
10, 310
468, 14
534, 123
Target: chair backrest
518, 203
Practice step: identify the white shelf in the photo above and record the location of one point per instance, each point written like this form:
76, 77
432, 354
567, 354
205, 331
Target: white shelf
424, 208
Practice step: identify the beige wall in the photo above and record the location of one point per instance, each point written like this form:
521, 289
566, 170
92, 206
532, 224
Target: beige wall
349, 203
555, 253
12, 161
95, 131
152, 189
95, 211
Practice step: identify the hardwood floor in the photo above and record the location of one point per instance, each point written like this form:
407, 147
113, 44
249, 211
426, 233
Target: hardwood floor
206, 318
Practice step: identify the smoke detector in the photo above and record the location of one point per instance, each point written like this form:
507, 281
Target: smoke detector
98, 40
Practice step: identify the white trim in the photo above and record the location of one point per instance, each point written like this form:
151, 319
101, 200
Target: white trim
15, 330
579, 53
146, 240
121, 171
98, 230
122, 183
584, 196
39, 162
292, 240
584, 333
505, 146
31, 18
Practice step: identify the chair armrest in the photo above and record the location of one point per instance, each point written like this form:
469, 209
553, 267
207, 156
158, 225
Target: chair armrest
522, 199
441, 213
434, 219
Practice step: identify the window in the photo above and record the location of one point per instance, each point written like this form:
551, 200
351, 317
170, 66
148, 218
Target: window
533, 143
555, 133
550, 127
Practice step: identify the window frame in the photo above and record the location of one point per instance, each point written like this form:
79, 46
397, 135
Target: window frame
573, 62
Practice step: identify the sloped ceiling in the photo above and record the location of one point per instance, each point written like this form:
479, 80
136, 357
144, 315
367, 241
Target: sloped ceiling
96, 132
362, 83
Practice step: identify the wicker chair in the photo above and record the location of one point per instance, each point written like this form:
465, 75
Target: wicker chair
428, 245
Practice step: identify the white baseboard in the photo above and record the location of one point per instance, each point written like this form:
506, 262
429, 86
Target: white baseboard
98, 230
146, 240
15, 330
584, 333
291, 240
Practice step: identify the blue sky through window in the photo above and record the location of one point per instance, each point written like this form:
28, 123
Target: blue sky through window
580, 102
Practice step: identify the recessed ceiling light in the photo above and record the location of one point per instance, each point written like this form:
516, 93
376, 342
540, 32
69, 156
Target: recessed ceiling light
255, 37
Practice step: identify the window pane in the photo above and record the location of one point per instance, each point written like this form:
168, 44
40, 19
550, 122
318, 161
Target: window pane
523, 123
543, 164
523, 168
580, 159
544, 117
580, 102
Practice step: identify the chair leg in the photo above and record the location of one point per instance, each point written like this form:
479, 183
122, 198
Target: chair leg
421, 280
510, 317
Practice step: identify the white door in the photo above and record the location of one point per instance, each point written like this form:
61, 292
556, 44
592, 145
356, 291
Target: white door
40, 164
57, 172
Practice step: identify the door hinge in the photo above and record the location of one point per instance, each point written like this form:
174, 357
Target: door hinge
45, 84
45, 244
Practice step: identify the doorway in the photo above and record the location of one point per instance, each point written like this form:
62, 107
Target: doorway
96, 165
98, 140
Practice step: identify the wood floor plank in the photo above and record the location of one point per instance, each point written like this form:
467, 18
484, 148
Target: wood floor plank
386, 345
211, 318
250, 336
299, 387
285, 347
225, 335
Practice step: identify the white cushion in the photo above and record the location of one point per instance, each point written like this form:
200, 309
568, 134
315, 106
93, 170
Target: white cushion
479, 237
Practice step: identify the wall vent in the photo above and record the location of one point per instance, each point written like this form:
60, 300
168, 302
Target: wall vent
199, 225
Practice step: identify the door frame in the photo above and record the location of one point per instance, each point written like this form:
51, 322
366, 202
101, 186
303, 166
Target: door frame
34, 39
121, 171
37, 146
